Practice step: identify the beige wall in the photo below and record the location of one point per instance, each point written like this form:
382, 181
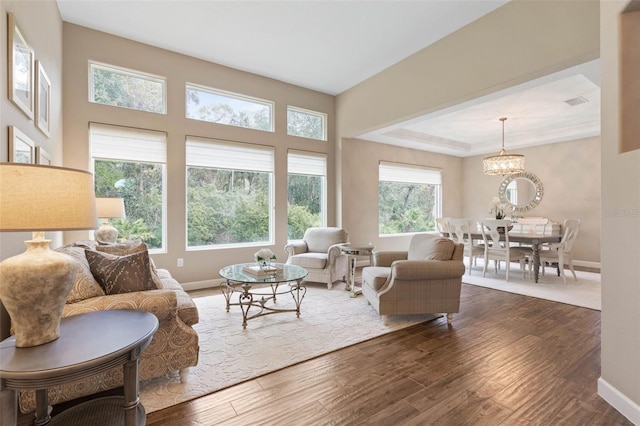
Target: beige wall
570, 173
620, 379
360, 187
82, 44
42, 27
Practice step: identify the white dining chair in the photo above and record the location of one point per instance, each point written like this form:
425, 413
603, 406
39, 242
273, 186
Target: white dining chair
460, 231
441, 223
499, 250
561, 253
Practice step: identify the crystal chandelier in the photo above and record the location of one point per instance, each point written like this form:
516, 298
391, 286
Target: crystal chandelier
503, 163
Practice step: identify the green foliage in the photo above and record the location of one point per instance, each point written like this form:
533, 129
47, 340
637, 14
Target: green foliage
227, 207
140, 185
127, 91
304, 124
406, 207
221, 110
130, 230
299, 219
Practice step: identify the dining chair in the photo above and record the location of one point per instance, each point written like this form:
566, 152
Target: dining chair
460, 231
533, 226
561, 252
499, 250
441, 223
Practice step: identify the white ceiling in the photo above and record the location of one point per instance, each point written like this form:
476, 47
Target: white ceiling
331, 46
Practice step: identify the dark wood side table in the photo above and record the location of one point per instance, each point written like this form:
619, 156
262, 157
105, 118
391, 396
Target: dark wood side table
88, 344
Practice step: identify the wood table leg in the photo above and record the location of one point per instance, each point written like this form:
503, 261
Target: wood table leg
8, 407
43, 411
536, 261
131, 391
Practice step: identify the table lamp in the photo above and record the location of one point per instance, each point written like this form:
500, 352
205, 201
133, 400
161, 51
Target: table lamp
34, 285
108, 208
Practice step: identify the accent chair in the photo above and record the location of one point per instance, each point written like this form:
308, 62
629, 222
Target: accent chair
425, 279
319, 253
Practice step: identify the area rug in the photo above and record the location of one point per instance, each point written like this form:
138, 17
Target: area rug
329, 320
584, 293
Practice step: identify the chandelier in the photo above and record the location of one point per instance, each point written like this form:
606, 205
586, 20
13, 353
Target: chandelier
503, 163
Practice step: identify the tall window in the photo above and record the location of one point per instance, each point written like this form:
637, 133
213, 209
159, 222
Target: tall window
217, 106
229, 193
306, 123
131, 164
306, 192
410, 198
125, 88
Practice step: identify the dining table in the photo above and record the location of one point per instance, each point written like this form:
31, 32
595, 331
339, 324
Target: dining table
529, 238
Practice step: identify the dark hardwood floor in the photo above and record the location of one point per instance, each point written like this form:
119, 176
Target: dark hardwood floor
506, 360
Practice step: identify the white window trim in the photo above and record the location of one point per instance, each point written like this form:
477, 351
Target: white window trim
238, 96
411, 173
130, 72
323, 115
197, 162
309, 154
111, 157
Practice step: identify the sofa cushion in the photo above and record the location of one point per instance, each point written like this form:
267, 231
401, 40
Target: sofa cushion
85, 285
375, 276
310, 260
430, 247
121, 274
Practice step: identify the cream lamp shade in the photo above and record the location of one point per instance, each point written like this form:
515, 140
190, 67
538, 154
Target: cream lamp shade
34, 285
110, 208
45, 198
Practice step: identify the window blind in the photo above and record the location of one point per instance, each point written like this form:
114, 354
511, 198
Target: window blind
395, 172
125, 143
307, 163
219, 154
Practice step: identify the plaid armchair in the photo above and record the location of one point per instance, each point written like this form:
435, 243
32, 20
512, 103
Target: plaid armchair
425, 279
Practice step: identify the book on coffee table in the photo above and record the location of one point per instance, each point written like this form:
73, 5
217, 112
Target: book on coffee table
260, 271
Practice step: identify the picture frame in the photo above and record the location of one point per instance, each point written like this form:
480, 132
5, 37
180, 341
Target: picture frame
42, 156
42, 111
21, 148
20, 63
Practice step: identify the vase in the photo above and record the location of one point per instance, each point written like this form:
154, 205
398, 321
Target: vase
34, 289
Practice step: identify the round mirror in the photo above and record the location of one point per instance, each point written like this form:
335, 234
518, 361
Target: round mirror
521, 192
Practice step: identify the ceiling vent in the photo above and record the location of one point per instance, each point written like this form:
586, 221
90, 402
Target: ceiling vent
577, 101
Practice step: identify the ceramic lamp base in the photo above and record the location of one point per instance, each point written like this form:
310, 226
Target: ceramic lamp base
34, 289
106, 234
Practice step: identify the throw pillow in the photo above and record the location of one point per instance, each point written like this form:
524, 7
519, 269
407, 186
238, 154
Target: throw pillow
127, 248
121, 274
85, 285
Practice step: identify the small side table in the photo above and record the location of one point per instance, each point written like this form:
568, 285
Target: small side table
353, 251
88, 344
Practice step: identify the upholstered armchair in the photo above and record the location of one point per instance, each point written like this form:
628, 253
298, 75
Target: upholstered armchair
425, 279
319, 253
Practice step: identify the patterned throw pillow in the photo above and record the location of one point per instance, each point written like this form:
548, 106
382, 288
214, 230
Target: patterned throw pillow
121, 274
85, 285
130, 247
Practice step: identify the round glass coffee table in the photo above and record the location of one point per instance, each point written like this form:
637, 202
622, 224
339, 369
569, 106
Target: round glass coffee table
259, 287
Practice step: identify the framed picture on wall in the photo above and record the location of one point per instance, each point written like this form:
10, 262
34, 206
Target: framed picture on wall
20, 68
43, 100
21, 148
42, 156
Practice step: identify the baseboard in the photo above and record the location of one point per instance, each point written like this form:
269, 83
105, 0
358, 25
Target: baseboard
197, 285
587, 264
619, 401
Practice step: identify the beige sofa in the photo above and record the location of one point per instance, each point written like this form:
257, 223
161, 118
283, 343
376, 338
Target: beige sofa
425, 279
174, 347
